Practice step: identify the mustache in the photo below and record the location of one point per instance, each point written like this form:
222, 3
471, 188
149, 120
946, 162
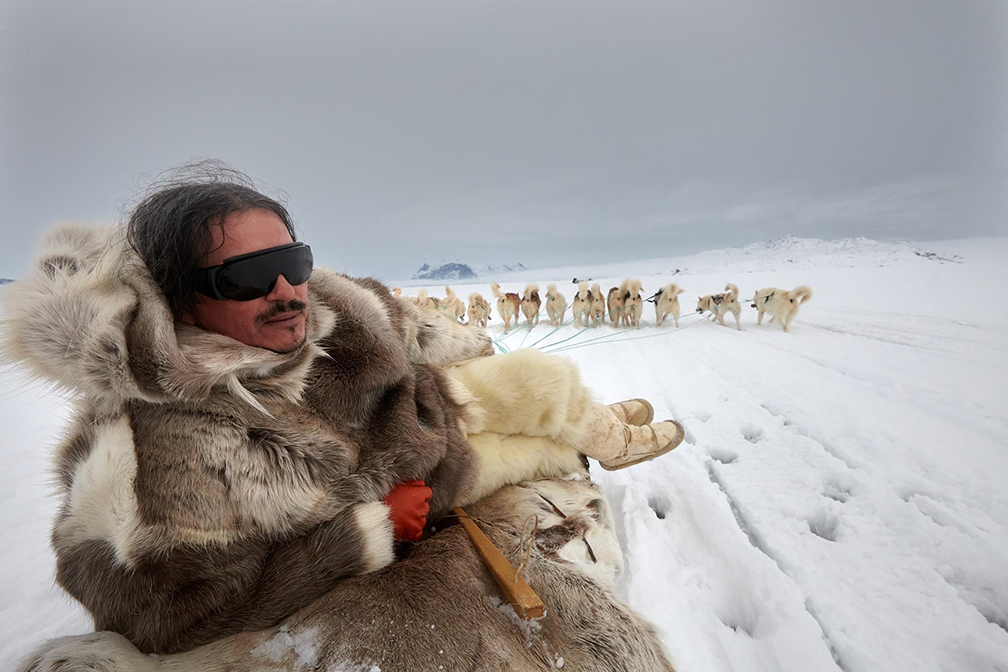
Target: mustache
279, 308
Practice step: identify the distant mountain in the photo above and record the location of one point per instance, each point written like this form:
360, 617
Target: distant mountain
456, 270
498, 269
452, 270
4, 281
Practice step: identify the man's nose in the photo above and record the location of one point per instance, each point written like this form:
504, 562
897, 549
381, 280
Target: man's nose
282, 290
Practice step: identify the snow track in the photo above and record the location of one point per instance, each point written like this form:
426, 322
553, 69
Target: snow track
840, 501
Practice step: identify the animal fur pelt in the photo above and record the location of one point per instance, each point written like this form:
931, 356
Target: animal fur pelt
197, 469
439, 608
780, 303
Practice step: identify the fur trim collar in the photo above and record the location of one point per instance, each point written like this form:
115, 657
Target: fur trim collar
90, 319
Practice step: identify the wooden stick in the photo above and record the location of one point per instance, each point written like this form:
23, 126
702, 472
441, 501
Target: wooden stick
521, 596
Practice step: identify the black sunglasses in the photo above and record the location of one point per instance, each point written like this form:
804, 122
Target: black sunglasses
253, 275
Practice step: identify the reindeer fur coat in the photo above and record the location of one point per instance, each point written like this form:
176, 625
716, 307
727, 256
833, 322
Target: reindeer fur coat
209, 487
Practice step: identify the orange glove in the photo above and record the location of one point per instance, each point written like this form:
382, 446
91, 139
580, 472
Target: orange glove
409, 504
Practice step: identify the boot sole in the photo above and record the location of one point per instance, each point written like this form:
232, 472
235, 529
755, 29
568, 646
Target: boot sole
671, 445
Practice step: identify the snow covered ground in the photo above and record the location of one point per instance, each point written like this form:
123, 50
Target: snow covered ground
840, 501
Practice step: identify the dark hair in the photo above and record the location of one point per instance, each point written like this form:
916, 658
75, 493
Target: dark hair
171, 227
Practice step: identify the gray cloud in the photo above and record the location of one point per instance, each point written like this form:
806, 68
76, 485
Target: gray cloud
545, 132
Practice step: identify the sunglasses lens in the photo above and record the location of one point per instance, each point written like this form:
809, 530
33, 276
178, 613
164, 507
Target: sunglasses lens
255, 277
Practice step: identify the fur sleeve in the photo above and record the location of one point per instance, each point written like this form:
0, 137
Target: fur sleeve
187, 597
430, 336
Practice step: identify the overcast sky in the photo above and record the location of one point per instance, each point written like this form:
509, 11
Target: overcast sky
535, 131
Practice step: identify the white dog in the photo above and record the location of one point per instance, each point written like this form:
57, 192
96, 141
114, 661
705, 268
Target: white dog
556, 305
719, 304
581, 308
597, 305
452, 306
479, 310
781, 304
425, 301
667, 303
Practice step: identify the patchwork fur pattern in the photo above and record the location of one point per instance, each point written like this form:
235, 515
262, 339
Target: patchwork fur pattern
479, 310
386, 619
507, 305
581, 308
556, 305
208, 486
530, 304
667, 303
720, 304
780, 303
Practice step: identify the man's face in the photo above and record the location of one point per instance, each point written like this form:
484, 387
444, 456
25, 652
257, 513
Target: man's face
276, 321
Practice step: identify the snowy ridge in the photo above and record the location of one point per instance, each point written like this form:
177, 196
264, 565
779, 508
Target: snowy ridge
456, 270
839, 503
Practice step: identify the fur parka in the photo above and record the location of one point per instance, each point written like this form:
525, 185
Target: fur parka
209, 487
439, 608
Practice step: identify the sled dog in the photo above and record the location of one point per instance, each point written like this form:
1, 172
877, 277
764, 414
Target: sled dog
556, 305
597, 305
530, 303
633, 304
581, 308
719, 304
479, 310
452, 305
507, 305
780, 303
667, 303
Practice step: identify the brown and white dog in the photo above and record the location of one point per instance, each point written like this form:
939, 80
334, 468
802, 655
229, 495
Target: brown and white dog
452, 305
667, 303
530, 304
614, 303
556, 305
597, 305
780, 303
633, 304
719, 304
581, 307
479, 310
507, 305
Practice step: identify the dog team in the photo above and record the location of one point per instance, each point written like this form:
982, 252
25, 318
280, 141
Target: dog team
623, 305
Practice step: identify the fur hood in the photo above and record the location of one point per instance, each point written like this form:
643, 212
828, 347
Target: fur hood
90, 319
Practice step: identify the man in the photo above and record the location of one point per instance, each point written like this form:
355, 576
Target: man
250, 429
